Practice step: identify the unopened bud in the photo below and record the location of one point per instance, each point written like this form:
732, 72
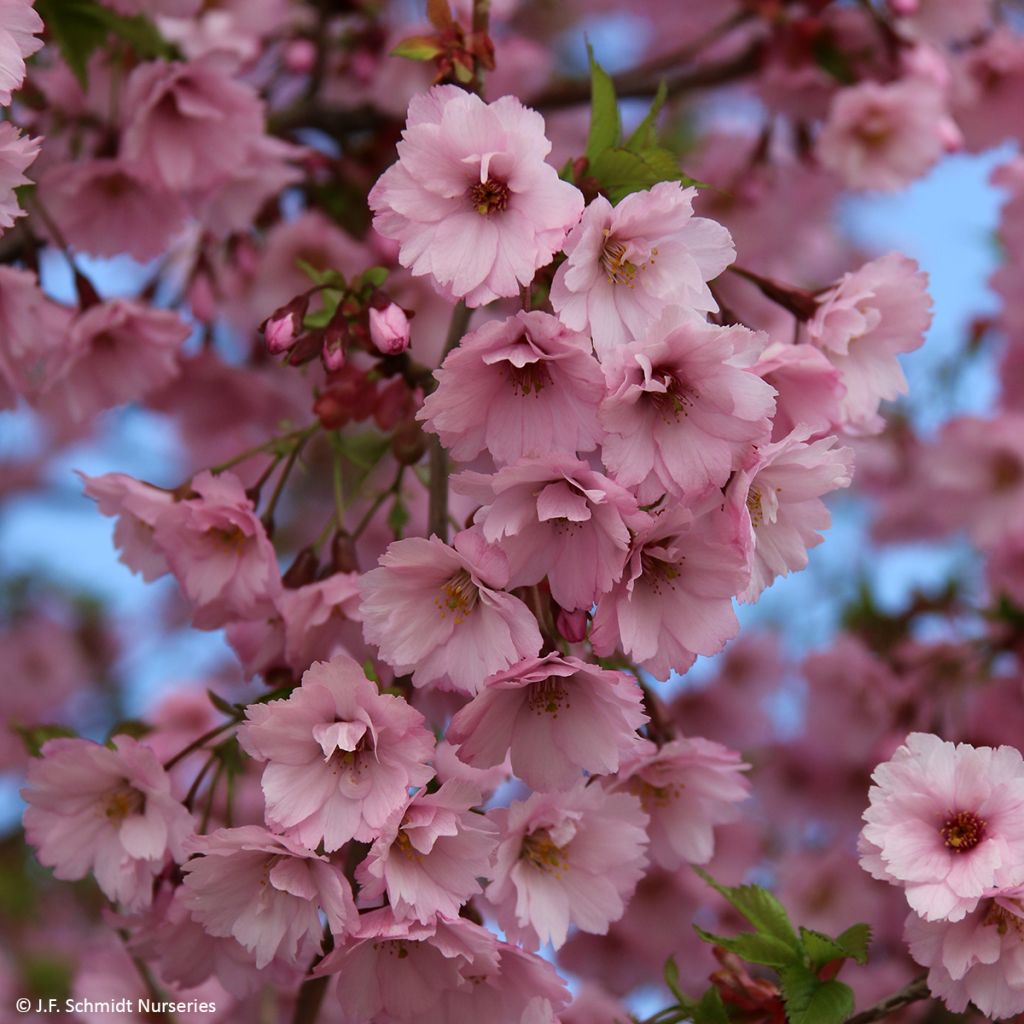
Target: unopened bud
302, 570
408, 443
389, 330
343, 553
281, 329
572, 625
336, 336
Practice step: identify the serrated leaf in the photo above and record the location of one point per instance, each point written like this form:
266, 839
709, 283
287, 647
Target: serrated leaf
644, 134
810, 1001
759, 907
820, 948
754, 947
856, 940
417, 48
605, 128
710, 1009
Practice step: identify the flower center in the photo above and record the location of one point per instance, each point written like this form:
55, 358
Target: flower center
529, 379
458, 596
122, 803
230, 537
676, 400
652, 796
963, 831
657, 572
489, 196
754, 507
541, 851
1002, 919
548, 697
614, 262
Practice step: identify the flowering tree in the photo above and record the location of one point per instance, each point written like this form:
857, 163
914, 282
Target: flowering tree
488, 385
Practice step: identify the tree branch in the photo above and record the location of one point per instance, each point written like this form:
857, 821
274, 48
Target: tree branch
912, 993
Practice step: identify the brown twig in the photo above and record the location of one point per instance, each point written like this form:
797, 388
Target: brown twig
912, 993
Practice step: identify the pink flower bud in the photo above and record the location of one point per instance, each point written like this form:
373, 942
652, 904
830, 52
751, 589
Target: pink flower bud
280, 333
572, 625
300, 56
906, 8
389, 330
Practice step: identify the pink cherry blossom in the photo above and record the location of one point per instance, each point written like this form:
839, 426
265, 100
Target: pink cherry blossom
683, 408
440, 612
471, 200
943, 22
979, 959
116, 352
808, 388
219, 551
556, 517
106, 812
687, 787
946, 821
559, 717
106, 207
137, 507
884, 136
265, 891
188, 124
568, 858
340, 755
17, 151
429, 854
675, 598
389, 329
777, 496
522, 386
630, 262
19, 27
320, 619
863, 323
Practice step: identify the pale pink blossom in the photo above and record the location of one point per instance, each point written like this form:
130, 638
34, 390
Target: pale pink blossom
471, 199
777, 497
116, 352
567, 858
626, 264
862, 324
389, 329
884, 136
941, 21
684, 409
169, 8
946, 822
808, 388
447, 971
522, 386
265, 891
988, 82
440, 612
979, 959
340, 755
188, 124
675, 598
320, 619
19, 28
106, 207
106, 812
687, 787
556, 517
137, 506
17, 151
428, 855
220, 553
558, 716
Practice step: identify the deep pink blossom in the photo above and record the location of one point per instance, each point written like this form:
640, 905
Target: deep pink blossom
808, 388
106, 812
440, 612
17, 151
188, 124
777, 497
870, 316
220, 553
19, 28
675, 598
340, 755
683, 408
630, 262
389, 329
471, 200
559, 717
265, 891
522, 386
979, 959
687, 787
946, 822
556, 517
429, 854
568, 858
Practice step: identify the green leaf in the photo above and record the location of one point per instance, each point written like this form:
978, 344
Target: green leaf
318, 276
759, 907
367, 449
811, 1001
34, 736
621, 171
375, 277
710, 1009
81, 27
330, 299
370, 671
856, 940
133, 727
605, 127
222, 705
671, 973
644, 134
398, 516
417, 48
755, 948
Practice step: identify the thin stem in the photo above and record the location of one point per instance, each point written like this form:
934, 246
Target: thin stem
300, 443
800, 303
198, 781
377, 502
259, 449
211, 793
481, 23
912, 993
198, 743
